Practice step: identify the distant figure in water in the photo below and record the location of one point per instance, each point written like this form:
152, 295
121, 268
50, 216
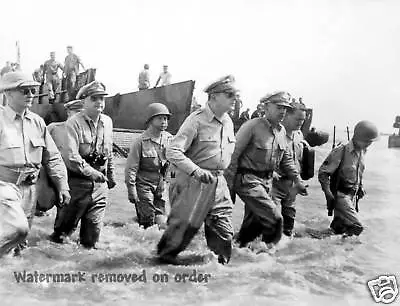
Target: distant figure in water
346, 164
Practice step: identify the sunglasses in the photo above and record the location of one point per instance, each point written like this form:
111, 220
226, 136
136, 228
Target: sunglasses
27, 91
230, 95
97, 98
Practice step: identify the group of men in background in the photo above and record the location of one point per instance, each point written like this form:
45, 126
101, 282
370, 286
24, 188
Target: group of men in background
164, 79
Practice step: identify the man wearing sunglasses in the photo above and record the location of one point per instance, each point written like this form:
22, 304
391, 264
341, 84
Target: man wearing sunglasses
25, 145
261, 149
87, 153
201, 151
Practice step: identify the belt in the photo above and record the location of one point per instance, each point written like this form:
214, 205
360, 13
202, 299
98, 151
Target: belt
19, 176
351, 191
261, 174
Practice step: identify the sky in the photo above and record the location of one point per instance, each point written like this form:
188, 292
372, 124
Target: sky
340, 56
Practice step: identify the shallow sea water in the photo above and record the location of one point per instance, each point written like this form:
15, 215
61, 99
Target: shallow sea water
307, 271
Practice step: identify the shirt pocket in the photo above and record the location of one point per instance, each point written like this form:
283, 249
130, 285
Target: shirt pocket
262, 153
231, 141
37, 149
205, 137
85, 144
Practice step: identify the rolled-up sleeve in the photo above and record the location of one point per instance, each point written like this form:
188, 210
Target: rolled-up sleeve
328, 167
132, 163
53, 162
70, 152
179, 144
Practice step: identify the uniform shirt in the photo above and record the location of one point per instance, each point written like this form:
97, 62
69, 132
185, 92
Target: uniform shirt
146, 154
203, 141
71, 63
83, 138
295, 147
165, 78
351, 170
51, 68
144, 79
261, 147
26, 142
57, 131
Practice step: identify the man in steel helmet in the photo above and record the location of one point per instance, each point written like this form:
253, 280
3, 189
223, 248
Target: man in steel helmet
346, 164
146, 168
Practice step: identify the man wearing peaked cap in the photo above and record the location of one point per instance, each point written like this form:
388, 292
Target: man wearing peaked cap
200, 151
279, 98
94, 88
16, 79
261, 148
46, 195
25, 145
224, 84
87, 153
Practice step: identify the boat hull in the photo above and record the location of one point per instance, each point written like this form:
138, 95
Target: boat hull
394, 141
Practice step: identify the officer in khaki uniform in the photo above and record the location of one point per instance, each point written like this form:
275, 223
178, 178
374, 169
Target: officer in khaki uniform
146, 168
200, 152
348, 161
46, 195
283, 190
25, 145
88, 156
261, 149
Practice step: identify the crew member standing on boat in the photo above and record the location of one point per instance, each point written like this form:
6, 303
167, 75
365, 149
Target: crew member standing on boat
200, 151
147, 166
261, 149
346, 163
53, 82
71, 71
25, 145
88, 157
283, 190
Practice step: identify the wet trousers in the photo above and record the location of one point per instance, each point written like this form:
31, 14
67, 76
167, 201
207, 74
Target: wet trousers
88, 203
192, 204
150, 189
261, 214
345, 220
17, 208
284, 193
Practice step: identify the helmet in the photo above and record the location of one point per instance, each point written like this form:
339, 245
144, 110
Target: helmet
155, 109
365, 131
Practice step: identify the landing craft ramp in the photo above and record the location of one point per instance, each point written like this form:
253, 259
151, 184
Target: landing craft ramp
128, 111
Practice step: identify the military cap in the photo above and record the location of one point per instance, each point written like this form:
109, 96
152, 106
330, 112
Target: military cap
224, 84
74, 105
298, 106
278, 98
94, 88
14, 79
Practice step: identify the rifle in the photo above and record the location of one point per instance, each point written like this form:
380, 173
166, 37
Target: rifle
334, 137
348, 133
